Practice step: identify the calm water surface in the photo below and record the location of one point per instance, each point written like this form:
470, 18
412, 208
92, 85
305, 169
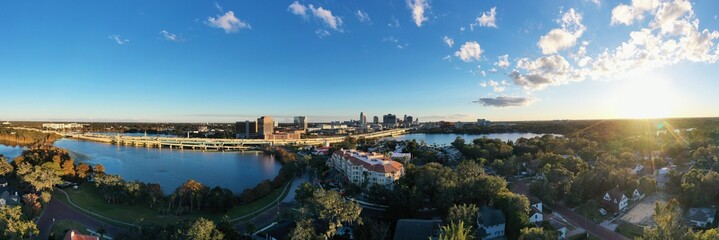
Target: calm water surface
446, 139
11, 152
170, 168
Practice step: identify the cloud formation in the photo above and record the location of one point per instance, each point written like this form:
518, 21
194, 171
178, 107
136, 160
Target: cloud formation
418, 8
363, 17
448, 40
321, 14
228, 22
565, 37
503, 61
118, 39
170, 36
469, 51
488, 19
506, 101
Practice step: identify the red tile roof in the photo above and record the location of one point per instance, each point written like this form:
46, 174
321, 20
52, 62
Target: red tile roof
75, 235
381, 167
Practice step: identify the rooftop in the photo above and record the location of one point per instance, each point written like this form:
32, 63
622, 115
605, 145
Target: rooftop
701, 214
371, 161
416, 229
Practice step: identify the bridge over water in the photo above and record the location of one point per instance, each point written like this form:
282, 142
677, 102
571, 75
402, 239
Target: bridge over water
223, 144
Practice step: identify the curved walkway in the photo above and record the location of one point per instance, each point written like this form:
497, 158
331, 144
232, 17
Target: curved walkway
69, 200
58, 210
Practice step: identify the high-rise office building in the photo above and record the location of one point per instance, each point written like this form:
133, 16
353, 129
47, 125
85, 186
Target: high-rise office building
408, 119
363, 118
301, 122
376, 120
246, 129
389, 119
265, 126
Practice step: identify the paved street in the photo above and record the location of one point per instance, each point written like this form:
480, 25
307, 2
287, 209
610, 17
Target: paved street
58, 210
573, 217
270, 215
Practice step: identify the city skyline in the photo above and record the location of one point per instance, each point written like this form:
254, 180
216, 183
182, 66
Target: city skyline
329, 60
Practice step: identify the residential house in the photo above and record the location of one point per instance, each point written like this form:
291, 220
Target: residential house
560, 227
615, 200
3, 182
535, 213
701, 217
75, 235
9, 197
490, 223
410, 229
636, 195
637, 169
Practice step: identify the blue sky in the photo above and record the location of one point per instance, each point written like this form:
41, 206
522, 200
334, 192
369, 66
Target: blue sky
205, 61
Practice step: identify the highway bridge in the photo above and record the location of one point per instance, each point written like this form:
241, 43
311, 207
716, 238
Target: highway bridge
223, 144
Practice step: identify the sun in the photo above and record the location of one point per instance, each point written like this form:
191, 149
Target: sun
643, 96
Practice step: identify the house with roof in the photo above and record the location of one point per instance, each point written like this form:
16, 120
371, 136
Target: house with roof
366, 167
490, 223
3, 182
410, 229
615, 200
535, 213
9, 197
701, 217
75, 235
560, 227
636, 195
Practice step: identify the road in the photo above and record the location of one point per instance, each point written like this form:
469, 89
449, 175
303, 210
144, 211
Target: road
58, 210
571, 216
270, 215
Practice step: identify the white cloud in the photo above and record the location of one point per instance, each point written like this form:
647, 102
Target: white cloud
390, 39
228, 22
170, 36
324, 15
363, 17
394, 23
627, 14
298, 9
493, 70
469, 51
544, 71
447, 58
596, 2
506, 101
496, 86
488, 19
503, 61
118, 39
418, 8
322, 33
565, 37
448, 40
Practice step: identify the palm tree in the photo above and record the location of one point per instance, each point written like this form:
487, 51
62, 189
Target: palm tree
456, 231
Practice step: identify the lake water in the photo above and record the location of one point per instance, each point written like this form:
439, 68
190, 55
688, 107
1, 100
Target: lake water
446, 139
171, 168
11, 152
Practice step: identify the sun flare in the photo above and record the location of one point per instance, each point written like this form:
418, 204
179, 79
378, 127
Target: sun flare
647, 96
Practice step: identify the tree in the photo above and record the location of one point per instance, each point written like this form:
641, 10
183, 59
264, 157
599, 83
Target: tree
329, 206
83, 170
68, 168
669, 223
304, 192
516, 208
32, 205
5, 166
39, 177
710, 234
304, 230
203, 229
98, 169
456, 231
12, 224
229, 230
462, 213
536, 233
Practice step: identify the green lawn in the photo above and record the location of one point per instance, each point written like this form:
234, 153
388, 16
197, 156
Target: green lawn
61, 226
88, 197
629, 230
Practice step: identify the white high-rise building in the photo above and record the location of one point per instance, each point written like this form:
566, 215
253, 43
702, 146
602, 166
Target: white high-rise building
363, 118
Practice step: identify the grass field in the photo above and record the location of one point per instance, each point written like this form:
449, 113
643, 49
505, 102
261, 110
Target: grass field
629, 230
88, 197
61, 226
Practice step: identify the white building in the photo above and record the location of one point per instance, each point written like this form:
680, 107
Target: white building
535, 213
490, 223
372, 168
61, 125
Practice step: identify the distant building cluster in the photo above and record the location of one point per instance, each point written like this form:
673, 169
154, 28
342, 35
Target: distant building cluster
364, 167
56, 126
266, 128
